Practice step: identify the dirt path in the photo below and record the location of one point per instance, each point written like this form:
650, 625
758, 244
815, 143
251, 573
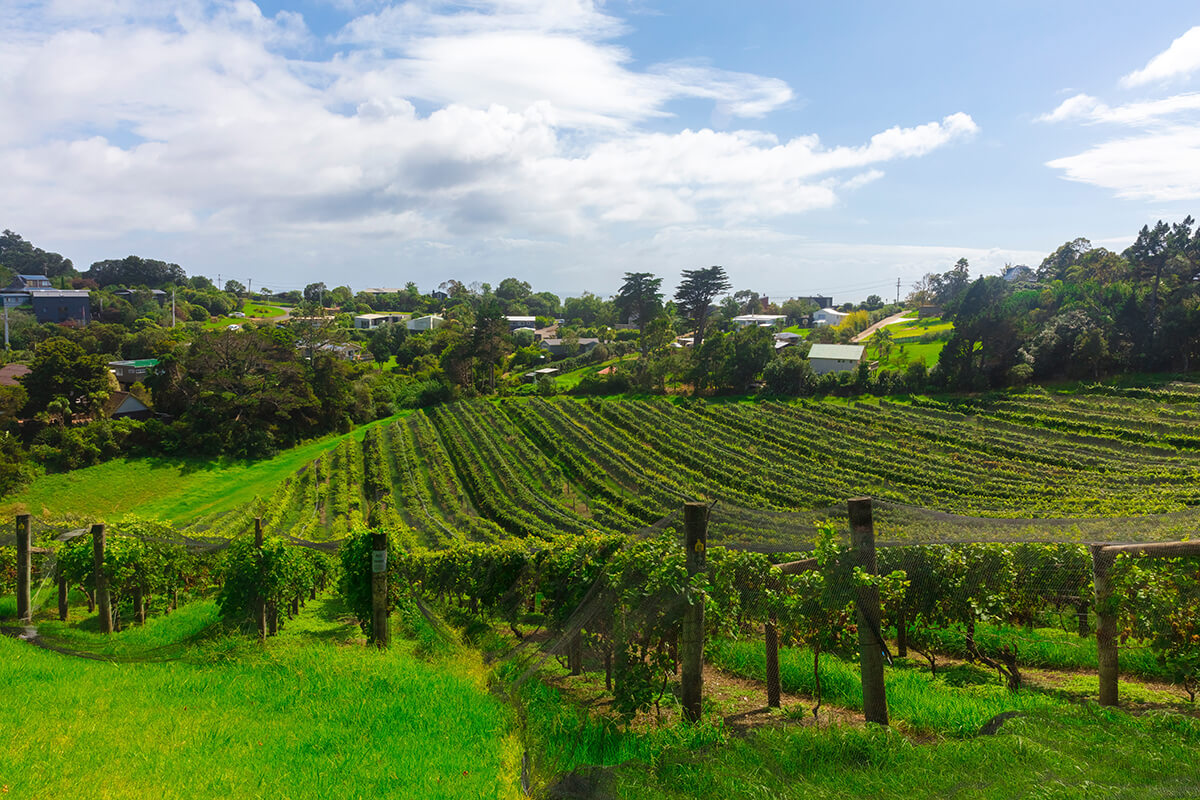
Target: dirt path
894, 318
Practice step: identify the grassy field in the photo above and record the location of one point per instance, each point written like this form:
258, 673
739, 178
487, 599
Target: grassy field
172, 489
257, 312
314, 714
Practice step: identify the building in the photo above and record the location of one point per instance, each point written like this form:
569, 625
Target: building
123, 404
828, 316
760, 320
49, 304
131, 372
820, 301
557, 348
366, 322
521, 322
538, 374
427, 323
786, 339
62, 305
130, 294
826, 358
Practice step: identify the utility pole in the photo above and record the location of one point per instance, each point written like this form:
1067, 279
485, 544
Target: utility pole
897, 291
172, 307
6, 347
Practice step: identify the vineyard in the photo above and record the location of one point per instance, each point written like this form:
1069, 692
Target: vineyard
488, 470
551, 531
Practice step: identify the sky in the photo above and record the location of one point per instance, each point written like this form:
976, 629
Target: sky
809, 148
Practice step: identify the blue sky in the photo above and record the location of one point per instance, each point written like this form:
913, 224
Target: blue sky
832, 147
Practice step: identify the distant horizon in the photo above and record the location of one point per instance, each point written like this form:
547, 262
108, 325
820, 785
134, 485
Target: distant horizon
564, 142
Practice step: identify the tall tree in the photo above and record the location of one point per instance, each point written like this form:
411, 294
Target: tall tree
22, 258
62, 370
696, 293
640, 298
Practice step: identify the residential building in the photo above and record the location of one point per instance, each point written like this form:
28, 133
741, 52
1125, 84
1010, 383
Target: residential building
370, 321
828, 316
426, 323
835, 357
759, 320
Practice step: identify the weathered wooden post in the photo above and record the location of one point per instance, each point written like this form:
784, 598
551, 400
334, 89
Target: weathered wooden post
103, 602
870, 648
771, 635
260, 603
1106, 624
64, 593
695, 540
379, 589
24, 569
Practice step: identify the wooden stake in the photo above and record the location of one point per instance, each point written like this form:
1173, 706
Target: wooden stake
379, 589
24, 569
103, 602
870, 648
695, 539
774, 689
260, 602
1106, 624
63, 595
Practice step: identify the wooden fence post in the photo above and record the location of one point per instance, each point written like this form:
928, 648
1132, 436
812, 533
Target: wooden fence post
771, 635
1106, 625
695, 539
24, 568
64, 593
379, 589
870, 648
103, 602
260, 603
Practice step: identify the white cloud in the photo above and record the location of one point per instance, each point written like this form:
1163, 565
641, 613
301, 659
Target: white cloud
1091, 110
1160, 166
428, 123
1181, 59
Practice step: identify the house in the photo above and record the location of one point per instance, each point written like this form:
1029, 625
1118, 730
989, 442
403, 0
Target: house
49, 304
835, 357
382, 290
538, 374
760, 320
542, 334
828, 316
820, 301
349, 351
558, 349
366, 322
131, 372
10, 374
521, 322
1019, 274
129, 294
62, 305
426, 323
123, 404
786, 339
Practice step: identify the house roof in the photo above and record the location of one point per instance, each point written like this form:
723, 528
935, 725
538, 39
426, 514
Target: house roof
759, 318
33, 277
10, 372
123, 403
837, 352
39, 294
137, 363
582, 341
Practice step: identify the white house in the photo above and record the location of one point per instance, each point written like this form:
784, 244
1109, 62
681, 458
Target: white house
369, 321
427, 323
828, 316
761, 320
521, 322
835, 357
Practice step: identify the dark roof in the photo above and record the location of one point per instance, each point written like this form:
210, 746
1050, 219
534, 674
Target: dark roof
33, 277
10, 372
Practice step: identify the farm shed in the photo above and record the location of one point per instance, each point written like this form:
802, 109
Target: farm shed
835, 357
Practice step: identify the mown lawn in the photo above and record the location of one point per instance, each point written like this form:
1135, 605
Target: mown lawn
174, 490
313, 714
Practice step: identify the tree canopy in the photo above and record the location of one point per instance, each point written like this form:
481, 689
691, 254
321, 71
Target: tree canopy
696, 293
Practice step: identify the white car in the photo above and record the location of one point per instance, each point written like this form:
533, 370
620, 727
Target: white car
233, 327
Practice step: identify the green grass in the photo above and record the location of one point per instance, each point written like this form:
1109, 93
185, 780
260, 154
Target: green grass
307, 716
906, 353
933, 325
957, 702
253, 311
171, 489
1077, 752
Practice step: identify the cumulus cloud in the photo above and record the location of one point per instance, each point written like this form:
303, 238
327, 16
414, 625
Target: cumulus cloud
1160, 161
424, 122
1181, 59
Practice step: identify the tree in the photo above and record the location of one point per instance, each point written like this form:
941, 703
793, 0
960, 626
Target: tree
696, 293
23, 258
136, 271
881, 341
236, 288
488, 340
640, 298
61, 369
315, 293
512, 290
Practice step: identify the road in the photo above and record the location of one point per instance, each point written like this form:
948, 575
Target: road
894, 318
